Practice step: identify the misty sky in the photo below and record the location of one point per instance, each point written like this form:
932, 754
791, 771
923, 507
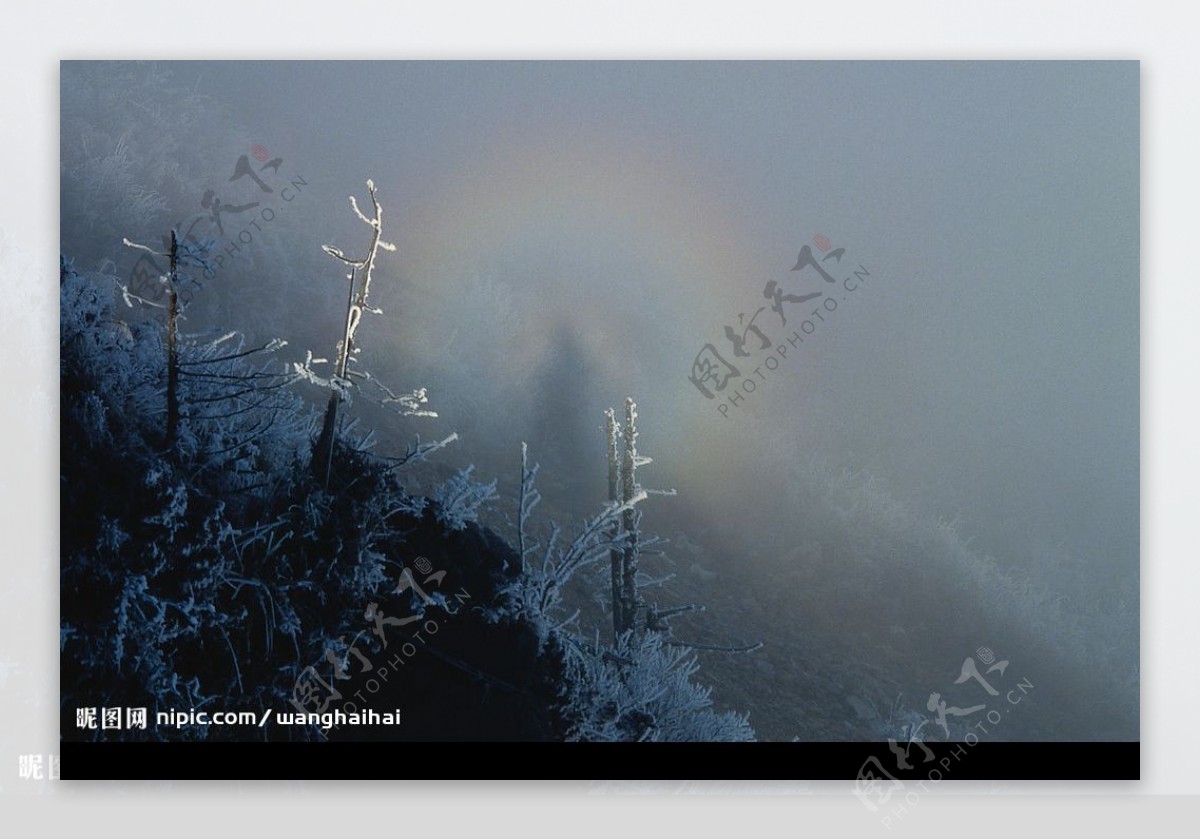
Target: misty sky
989, 369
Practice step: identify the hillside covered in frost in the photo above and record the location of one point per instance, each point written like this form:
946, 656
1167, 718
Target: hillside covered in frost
222, 572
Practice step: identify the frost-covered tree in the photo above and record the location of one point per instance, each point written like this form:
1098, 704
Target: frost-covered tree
623, 489
630, 611
343, 377
630, 519
643, 690
201, 387
639, 687
179, 252
612, 448
460, 499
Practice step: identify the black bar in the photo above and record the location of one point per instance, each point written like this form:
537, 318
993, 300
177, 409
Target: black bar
245, 760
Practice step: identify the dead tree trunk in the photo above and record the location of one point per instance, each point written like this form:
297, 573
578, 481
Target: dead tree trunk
323, 451
614, 496
625, 540
629, 564
360, 288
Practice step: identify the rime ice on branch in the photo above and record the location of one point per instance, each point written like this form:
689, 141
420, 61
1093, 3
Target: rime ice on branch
626, 541
639, 687
207, 386
178, 253
614, 495
623, 489
360, 276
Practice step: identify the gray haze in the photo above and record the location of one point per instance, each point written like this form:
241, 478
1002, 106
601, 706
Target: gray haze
572, 233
